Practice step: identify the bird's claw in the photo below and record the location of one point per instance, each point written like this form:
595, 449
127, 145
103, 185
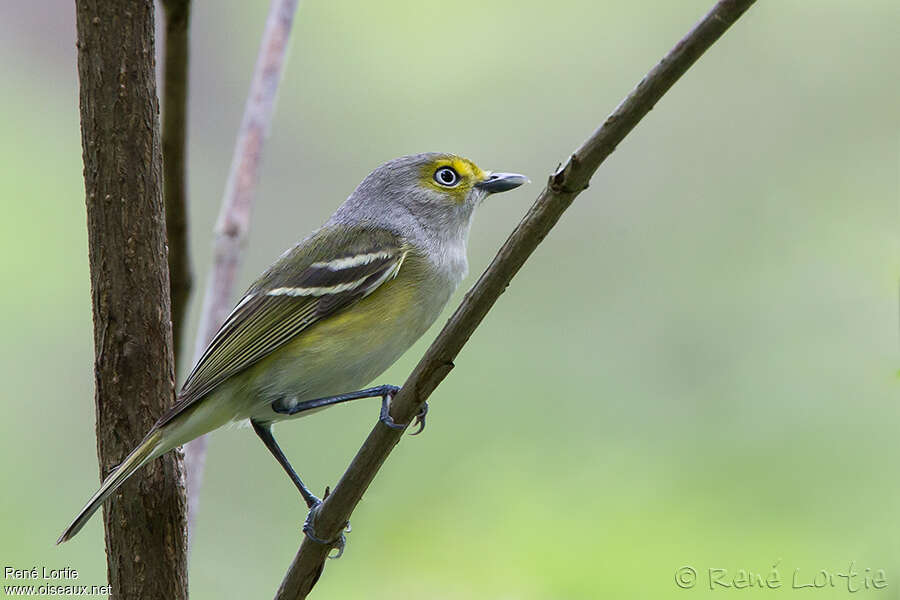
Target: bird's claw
309, 530
420, 419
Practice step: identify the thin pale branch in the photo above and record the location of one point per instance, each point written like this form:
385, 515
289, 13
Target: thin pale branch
562, 188
174, 142
237, 204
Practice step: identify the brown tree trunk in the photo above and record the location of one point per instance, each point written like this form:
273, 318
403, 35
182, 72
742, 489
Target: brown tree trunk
134, 375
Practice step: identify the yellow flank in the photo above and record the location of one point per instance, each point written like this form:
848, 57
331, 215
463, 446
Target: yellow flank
347, 350
469, 174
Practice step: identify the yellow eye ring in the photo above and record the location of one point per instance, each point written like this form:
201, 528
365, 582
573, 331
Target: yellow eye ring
446, 176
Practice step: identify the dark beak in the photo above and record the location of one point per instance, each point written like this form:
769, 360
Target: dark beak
501, 182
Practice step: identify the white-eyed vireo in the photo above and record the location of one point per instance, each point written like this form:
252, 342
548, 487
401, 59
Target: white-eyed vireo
332, 313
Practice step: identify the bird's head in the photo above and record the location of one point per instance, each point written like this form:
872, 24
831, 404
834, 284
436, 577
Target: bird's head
434, 191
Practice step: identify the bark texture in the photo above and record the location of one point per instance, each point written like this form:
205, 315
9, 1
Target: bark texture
134, 375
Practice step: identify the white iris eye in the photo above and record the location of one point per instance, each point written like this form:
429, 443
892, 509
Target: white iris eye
446, 176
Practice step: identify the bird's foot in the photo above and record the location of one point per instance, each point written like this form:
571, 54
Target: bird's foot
385, 416
309, 530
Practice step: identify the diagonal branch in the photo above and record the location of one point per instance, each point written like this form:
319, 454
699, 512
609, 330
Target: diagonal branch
562, 188
237, 204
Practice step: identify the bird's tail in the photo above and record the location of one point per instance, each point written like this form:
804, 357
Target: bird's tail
145, 452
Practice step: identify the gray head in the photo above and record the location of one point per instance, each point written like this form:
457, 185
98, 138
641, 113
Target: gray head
428, 196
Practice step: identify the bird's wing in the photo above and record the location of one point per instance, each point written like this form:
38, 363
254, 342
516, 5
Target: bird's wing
290, 297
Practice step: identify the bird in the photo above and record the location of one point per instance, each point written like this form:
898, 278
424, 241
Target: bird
331, 314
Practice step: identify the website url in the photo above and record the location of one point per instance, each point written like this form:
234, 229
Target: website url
57, 590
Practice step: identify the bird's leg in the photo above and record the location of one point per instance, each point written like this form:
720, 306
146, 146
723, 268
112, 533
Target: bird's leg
264, 431
385, 392
382, 391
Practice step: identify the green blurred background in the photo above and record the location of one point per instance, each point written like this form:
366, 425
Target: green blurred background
697, 368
